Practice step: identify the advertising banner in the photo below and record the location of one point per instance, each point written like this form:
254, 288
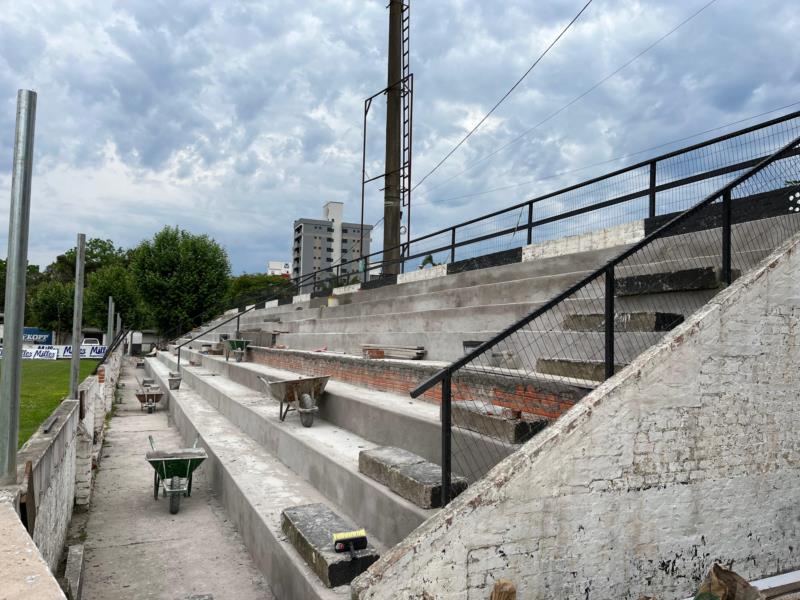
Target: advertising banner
46, 352
34, 335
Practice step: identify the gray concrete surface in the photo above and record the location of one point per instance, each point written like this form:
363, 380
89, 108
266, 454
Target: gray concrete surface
134, 547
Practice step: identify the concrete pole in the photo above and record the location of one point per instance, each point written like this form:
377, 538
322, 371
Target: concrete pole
391, 194
77, 318
110, 328
118, 328
16, 270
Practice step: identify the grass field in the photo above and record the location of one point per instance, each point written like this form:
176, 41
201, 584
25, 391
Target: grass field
44, 384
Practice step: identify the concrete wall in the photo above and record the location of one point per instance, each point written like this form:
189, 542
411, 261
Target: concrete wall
687, 457
52, 456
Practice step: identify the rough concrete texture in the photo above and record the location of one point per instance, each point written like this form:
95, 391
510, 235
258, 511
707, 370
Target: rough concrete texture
134, 547
24, 574
310, 529
628, 233
52, 456
636, 321
254, 487
699, 278
408, 475
73, 573
496, 422
687, 457
422, 274
594, 370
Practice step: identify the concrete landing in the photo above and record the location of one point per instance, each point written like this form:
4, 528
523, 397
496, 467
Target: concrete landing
134, 547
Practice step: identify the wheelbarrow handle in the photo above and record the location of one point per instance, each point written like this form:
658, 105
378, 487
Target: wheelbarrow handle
152, 443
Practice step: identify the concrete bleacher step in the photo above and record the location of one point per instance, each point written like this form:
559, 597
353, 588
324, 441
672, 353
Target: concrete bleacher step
310, 529
254, 487
408, 475
579, 369
325, 455
636, 321
381, 418
497, 422
685, 280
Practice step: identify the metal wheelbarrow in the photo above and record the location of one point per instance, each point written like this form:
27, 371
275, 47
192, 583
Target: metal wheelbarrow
173, 472
148, 397
297, 394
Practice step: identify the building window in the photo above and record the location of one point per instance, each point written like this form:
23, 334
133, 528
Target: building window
330, 229
330, 239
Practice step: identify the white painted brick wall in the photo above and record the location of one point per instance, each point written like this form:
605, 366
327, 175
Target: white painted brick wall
689, 456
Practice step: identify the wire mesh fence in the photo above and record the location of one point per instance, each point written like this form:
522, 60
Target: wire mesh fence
659, 187
509, 388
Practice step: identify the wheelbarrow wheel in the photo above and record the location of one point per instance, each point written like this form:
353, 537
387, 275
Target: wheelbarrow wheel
306, 418
155, 485
174, 497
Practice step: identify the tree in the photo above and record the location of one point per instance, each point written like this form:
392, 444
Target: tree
99, 253
249, 288
116, 281
182, 278
51, 306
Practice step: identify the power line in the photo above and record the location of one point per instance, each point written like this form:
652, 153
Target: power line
573, 101
506, 95
618, 158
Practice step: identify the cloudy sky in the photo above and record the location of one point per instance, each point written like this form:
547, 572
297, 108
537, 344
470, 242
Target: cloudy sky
234, 118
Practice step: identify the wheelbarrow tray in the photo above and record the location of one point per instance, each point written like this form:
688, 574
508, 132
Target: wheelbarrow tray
289, 390
176, 463
153, 395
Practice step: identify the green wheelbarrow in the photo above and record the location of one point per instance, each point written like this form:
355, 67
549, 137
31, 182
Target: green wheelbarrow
173, 472
238, 348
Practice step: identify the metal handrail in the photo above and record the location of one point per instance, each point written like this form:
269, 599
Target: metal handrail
784, 152
651, 190
109, 349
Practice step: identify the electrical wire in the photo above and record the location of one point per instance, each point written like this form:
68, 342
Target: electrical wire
506, 95
618, 158
567, 105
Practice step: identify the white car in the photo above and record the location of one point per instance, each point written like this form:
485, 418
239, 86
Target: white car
90, 342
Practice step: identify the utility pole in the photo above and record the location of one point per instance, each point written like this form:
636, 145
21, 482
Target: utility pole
110, 328
391, 193
118, 328
77, 318
17, 266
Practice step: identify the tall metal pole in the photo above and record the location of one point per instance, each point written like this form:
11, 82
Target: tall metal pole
110, 327
391, 194
77, 318
16, 269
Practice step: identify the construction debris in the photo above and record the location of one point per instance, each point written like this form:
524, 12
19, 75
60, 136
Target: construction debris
403, 352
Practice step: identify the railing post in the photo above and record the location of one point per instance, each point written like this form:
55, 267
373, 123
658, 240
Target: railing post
652, 210
453, 245
530, 223
609, 322
237, 328
727, 274
446, 437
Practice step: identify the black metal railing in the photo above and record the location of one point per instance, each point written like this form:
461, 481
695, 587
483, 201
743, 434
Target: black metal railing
538, 367
665, 184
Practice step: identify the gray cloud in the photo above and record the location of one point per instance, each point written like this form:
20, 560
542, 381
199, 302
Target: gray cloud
235, 118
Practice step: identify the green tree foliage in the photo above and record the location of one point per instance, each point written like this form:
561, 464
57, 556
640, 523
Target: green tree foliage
51, 306
116, 281
99, 253
254, 287
182, 278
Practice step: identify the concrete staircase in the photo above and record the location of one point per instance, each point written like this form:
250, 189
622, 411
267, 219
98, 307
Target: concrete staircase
368, 461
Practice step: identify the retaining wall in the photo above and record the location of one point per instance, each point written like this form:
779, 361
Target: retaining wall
689, 456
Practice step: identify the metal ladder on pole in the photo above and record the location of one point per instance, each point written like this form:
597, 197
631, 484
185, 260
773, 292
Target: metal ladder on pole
407, 95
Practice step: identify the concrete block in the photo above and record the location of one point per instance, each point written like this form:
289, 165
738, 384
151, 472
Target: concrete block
408, 475
73, 574
422, 274
310, 530
638, 321
496, 421
301, 298
592, 370
346, 289
683, 280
